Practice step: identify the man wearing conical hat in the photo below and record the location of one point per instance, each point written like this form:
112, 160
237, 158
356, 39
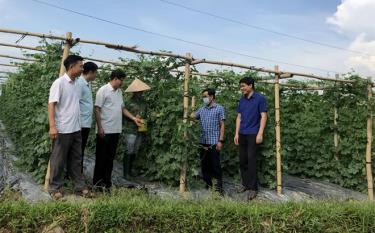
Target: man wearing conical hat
134, 135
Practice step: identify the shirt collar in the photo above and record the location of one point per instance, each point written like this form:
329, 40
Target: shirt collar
84, 81
213, 105
111, 88
254, 95
67, 78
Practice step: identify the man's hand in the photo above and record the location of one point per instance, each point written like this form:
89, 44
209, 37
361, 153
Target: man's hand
259, 138
219, 146
52, 132
138, 121
236, 139
101, 132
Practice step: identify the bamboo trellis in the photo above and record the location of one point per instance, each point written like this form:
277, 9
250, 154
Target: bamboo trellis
192, 61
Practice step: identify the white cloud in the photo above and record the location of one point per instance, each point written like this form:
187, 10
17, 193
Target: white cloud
355, 19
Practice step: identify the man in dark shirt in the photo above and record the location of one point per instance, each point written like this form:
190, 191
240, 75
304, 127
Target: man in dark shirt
250, 124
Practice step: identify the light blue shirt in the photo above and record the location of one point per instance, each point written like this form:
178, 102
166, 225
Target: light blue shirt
86, 104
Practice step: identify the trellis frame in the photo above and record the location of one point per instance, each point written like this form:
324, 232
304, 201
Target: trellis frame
68, 39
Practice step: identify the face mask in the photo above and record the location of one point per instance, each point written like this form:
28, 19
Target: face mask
206, 101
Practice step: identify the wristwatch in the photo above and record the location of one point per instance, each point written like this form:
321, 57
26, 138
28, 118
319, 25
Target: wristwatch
222, 141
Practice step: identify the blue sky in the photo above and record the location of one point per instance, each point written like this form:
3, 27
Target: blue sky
302, 18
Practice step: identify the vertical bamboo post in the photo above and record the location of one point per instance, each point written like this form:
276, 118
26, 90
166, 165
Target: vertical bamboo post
185, 118
66, 51
335, 133
277, 132
369, 142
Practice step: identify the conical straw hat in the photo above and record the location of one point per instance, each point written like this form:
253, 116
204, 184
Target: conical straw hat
137, 85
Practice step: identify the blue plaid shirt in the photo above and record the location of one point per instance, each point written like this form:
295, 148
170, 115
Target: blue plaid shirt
210, 118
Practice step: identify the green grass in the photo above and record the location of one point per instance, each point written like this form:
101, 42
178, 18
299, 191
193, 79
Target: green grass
134, 211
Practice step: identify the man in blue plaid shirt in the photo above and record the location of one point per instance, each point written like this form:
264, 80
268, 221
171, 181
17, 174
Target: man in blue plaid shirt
211, 117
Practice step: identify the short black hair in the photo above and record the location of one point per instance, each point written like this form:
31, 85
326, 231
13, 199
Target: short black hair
89, 66
71, 60
210, 91
248, 81
119, 74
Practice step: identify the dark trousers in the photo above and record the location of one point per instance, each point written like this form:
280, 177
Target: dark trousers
248, 161
105, 153
85, 135
211, 167
66, 152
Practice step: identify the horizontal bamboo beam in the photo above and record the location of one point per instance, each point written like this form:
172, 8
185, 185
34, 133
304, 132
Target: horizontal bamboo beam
285, 74
18, 58
43, 50
104, 61
319, 77
23, 47
11, 65
40, 35
266, 81
133, 49
222, 63
192, 60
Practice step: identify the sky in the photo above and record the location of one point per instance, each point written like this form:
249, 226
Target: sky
347, 24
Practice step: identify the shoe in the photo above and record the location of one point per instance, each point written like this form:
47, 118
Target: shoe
242, 189
220, 192
251, 194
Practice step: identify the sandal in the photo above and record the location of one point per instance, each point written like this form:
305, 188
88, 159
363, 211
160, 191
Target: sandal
85, 193
56, 195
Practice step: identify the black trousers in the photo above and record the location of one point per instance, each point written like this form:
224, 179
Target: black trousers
211, 167
66, 153
85, 135
248, 161
105, 153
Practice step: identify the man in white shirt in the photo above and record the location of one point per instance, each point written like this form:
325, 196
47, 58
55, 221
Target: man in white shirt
86, 104
65, 128
109, 109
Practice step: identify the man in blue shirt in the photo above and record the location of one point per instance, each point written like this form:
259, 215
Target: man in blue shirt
211, 117
86, 105
250, 124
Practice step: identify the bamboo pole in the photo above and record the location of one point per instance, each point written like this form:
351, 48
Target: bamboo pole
370, 182
41, 35
266, 81
320, 77
104, 61
18, 58
134, 49
10, 65
43, 50
278, 133
66, 51
286, 74
193, 61
186, 113
22, 47
335, 135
